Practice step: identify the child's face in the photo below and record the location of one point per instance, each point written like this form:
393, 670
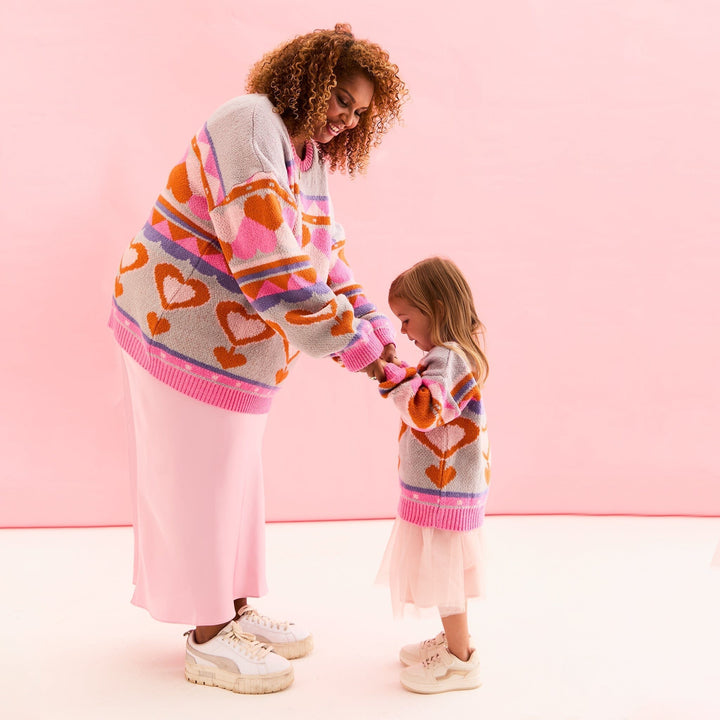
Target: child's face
412, 323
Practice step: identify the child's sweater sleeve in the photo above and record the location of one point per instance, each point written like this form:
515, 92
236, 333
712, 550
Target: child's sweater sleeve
433, 394
254, 217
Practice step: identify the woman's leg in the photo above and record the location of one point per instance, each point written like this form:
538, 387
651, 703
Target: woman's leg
203, 633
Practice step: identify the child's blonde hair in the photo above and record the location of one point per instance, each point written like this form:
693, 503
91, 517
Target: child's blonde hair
438, 289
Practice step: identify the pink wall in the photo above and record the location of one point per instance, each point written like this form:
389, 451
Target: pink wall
565, 154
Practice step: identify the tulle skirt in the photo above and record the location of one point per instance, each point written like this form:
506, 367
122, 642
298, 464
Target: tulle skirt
430, 568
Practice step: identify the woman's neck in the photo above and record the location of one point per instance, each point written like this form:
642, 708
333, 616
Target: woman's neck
299, 144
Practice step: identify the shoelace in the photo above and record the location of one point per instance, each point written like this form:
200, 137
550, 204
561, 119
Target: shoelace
255, 616
432, 661
437, 640
246, 642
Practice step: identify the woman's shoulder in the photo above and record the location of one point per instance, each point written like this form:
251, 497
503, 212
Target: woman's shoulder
255, 109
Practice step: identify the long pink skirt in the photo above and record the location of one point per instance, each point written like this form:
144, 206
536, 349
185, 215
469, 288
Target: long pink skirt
426, 567
200, 509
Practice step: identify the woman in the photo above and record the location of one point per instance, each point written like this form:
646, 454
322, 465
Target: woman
241, 266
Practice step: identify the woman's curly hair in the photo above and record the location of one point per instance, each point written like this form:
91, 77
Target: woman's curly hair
298, 76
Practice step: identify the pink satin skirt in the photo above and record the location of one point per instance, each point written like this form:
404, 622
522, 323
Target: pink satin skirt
199, 516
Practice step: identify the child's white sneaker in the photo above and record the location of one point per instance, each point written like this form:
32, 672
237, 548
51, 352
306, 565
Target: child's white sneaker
234, 660
286, 638
441, 672
417, 652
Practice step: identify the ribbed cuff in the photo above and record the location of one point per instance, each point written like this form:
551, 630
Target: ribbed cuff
362, 353
384, 334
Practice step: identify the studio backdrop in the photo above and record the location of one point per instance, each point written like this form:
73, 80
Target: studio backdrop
565, 154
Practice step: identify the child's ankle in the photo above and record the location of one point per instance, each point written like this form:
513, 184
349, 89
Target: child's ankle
462, 654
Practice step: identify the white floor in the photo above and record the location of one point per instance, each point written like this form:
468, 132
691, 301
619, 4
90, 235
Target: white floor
585, 618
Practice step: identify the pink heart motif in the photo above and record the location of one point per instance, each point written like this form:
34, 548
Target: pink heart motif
251, 238
322, 240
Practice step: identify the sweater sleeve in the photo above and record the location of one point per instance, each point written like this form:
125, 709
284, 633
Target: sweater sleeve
342, 282
254, 219
433, 394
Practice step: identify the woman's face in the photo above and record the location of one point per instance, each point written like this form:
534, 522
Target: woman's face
349, 99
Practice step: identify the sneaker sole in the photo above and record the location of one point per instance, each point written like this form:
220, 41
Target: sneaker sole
457, 682
290, 651
245, 684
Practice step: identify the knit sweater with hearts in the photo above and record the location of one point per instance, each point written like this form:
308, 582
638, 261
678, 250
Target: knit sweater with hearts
240, 266
444, 451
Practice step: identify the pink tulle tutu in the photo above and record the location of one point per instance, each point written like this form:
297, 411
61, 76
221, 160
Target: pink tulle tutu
430, 568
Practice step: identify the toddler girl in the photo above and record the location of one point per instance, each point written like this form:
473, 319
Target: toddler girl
433, 558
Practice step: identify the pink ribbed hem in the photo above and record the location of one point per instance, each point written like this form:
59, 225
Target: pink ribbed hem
235, 399
459, 519
361, 354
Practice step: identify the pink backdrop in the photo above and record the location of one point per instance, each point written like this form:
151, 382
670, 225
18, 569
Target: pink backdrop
565, 154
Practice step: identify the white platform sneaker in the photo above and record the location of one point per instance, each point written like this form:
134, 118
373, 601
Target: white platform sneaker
417, 652
235, 661
441, 672
286, 638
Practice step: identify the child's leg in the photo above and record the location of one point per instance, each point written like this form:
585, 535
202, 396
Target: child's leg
457, 634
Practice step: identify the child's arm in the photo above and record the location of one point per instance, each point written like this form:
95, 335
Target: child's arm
434, 394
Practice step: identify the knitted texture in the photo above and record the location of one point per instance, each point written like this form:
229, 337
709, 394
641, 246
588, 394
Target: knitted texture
240, 266
444, 451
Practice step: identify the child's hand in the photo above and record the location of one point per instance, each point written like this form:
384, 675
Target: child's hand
376, 370
388, 354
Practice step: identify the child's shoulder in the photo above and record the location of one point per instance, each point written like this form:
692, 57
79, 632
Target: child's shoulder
450, 355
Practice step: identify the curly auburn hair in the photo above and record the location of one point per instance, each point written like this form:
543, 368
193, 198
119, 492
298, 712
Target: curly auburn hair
298, 77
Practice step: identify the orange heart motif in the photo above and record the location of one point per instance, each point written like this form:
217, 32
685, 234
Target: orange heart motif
441, 475
264, 210
157, 325
179, 184
118, 287
280, 375
424, 408
241, 327
134, 257
457, 434
229, 358
305, 317
344, 325
177, 292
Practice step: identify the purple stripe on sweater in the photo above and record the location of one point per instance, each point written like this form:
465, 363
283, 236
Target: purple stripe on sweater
172, 248
460, 394
292, 297
434, 494
215, 160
